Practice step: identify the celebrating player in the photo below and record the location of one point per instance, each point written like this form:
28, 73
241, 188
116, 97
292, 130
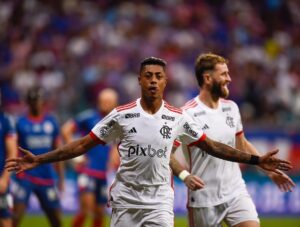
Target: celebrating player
38, 132
225, 196
92, 181
141, 194
8, 149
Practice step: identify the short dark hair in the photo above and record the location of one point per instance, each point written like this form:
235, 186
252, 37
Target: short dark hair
34, 93
207, 62
152, 61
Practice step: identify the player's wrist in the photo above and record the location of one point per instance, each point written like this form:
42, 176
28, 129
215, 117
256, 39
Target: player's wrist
254, 160
183, 175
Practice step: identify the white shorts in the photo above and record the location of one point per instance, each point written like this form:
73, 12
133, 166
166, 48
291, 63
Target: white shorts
233, 212
124, 217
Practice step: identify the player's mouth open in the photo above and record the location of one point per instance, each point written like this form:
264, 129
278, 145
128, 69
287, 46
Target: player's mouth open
153, 89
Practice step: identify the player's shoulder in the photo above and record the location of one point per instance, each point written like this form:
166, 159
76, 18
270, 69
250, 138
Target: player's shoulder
190, 106
126, 107
172, 109
227, 103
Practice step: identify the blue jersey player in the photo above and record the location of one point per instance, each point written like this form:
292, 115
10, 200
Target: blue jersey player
38, 132
8, 148
92, 167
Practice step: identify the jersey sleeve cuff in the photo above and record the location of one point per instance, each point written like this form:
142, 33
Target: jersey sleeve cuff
198, 141
176, 143
96, 139
239, 133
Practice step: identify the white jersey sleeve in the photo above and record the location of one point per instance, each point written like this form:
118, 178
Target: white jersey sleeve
239, 126
189, 133
108, 129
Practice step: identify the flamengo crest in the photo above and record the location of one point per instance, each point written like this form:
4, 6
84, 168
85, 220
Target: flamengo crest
229, 121
165, 131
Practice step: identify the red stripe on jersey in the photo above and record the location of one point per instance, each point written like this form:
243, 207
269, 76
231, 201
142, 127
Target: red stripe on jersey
198, 141
126, 106
96, 139
173, 109
176, 143
189, 102
191, 105
239, 133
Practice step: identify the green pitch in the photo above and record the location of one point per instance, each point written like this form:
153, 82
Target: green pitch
40, 220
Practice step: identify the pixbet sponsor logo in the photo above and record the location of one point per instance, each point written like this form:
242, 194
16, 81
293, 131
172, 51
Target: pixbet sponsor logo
147, 151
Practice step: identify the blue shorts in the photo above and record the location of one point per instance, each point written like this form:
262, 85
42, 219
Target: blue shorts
91, 184
5, 205
47, 195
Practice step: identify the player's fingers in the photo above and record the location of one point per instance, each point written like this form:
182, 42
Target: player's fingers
10, 164
281, 188
24, 151
12, 160
199, 185
281, 161
276, 171
271, 153
286, 188
284, 166
290, 181
12, 167
289, 188
198, 180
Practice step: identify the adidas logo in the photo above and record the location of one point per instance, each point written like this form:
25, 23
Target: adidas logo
133, 130
205, 127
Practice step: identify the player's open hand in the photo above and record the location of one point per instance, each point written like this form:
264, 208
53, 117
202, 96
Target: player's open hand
270, 163
19, 164
283, 181
193, 182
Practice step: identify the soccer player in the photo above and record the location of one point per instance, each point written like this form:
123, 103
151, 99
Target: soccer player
142, 193
8, 149
38, 132
92, 182
225, 196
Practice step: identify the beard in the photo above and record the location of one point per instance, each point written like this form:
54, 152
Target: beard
219, 91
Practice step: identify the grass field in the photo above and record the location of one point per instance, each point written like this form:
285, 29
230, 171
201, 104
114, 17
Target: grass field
40, 221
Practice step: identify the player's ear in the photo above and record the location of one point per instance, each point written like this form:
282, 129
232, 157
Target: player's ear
206, 78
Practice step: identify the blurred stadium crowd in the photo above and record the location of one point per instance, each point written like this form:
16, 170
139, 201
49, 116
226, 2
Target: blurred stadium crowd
74, 48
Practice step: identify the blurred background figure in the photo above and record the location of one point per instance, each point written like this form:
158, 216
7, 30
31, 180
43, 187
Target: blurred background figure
8, 148
92, 168
39, 132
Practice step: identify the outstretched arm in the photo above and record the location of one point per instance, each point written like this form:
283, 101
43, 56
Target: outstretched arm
68, 151
283, 181
267, 162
